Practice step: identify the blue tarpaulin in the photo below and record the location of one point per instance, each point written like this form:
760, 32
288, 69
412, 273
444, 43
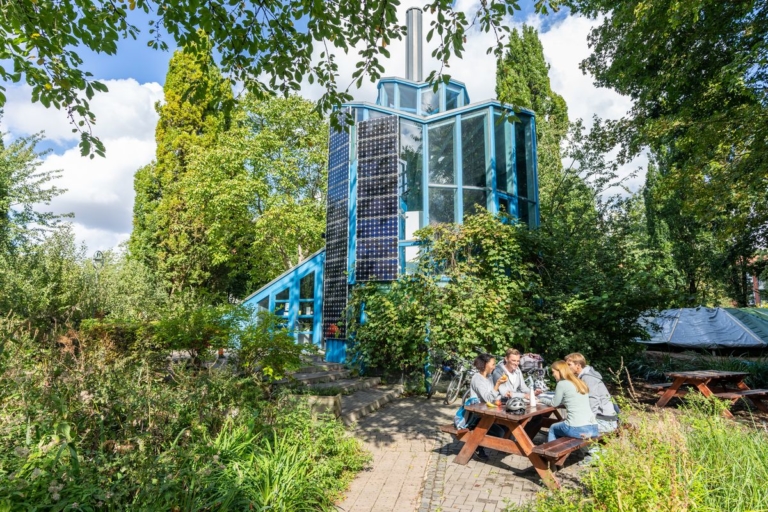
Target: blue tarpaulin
709, 327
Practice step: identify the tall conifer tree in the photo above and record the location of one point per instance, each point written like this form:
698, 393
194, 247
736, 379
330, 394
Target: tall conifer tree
522, 79
194, 114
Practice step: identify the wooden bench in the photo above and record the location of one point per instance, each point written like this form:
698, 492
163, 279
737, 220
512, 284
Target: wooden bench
755, 396
457, 433
662, 387
557, 451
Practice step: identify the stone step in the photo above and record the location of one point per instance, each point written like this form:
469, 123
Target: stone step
349, 385
361, 403
318, 377
318, 367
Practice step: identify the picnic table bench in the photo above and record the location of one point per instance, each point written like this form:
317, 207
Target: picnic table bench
516, 442
712, 383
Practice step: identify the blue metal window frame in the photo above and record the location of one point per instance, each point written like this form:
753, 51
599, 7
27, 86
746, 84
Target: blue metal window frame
292, 280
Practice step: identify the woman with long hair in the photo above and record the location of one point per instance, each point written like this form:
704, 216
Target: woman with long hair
482, 387
573, 394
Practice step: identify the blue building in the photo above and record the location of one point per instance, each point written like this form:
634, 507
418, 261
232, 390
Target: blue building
414, 158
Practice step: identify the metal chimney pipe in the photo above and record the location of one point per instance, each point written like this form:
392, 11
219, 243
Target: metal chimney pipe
413, 45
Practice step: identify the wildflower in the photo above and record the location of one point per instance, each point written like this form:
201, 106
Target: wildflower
215, 458
85, 397
55, 496
36, 473
21, 452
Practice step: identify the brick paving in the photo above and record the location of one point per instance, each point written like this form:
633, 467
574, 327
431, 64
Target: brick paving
412, 468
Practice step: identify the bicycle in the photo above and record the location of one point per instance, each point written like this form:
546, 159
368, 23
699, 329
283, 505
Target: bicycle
459, 382
431, 380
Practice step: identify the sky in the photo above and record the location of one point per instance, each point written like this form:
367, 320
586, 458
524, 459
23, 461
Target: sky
100, 191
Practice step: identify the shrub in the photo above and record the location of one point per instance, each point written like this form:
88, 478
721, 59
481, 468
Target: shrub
78, 429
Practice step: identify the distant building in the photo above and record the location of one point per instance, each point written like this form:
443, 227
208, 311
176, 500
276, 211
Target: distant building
414, 158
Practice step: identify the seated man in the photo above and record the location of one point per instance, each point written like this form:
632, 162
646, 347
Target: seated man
599, 397
515, 385
599, 400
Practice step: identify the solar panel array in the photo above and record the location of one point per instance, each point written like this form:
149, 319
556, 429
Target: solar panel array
377, 204
336, 237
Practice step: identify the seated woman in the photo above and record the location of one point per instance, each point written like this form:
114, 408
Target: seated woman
482, 387
573, 394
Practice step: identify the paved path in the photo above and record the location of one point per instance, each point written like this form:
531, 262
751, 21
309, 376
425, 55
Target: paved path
412, 468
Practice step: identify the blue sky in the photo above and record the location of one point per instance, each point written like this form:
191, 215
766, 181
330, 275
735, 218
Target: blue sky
100, 191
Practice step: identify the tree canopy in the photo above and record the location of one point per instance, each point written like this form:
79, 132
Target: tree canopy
236, 194
267, 46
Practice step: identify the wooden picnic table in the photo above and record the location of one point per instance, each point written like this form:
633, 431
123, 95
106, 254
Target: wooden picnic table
713, 383
517, 441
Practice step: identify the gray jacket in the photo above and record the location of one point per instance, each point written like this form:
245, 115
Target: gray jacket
515, 384
599, 397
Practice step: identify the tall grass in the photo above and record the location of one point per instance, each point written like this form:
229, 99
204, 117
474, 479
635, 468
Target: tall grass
671, 462
82, 428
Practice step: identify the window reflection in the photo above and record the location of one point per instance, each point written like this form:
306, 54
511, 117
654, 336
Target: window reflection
474, 198
451, 98
442, 205
473, 151
411, 162
407, 98
430, 102
441, 149
503, 150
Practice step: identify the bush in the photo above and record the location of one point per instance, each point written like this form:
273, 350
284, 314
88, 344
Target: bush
82, 430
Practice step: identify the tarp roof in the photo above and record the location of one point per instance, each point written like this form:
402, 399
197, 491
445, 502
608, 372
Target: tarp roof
709, 327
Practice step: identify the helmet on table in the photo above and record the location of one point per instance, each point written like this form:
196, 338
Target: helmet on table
516, 405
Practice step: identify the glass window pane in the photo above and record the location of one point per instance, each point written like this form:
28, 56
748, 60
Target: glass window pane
508, 205
305, 325
430, 101
262, 305
375, 114
441, 154
307, 308
412, 167
472, 199
409, 257
285, 294
503, 148
473, 151
451, 99
407, 98
281, 308
389, 95
521, 163
523, 213
442, 205
305, 337
360, 115
307, 286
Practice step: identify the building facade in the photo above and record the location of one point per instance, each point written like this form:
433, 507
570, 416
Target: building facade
420, 155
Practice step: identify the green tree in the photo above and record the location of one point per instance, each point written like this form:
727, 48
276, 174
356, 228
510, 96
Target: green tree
696, 71
237, 193
22, 186
522, 79
260, 191
265, 46
167, 234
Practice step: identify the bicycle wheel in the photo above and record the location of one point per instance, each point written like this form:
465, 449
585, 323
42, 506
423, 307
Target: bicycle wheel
454, 388
433, 385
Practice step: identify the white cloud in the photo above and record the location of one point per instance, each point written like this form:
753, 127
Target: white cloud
127, 110
99, 190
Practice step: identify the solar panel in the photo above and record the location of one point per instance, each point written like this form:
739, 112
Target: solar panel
377, 205
336, 236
